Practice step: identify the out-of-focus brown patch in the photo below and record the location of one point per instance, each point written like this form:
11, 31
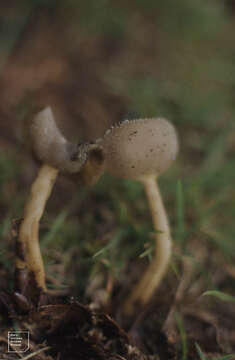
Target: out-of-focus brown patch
21, 279
20, 250
45, 68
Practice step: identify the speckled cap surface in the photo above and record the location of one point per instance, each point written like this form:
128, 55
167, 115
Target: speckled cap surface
138, 148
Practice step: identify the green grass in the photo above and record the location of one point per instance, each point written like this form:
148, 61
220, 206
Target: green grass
220, 295
203, 357
183, 336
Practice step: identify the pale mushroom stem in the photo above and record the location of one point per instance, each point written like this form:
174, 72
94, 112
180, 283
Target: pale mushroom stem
28, 232
144, 290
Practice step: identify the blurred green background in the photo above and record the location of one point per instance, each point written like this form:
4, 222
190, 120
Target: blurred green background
98, 62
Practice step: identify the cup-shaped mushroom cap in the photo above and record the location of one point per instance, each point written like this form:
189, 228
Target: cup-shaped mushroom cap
47, 142
136, 149
85, 160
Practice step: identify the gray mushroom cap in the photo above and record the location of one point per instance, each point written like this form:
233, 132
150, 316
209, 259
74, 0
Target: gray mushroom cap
47, 142
140, 148
50, 147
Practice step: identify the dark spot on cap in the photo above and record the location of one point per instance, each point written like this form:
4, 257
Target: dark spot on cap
133, 133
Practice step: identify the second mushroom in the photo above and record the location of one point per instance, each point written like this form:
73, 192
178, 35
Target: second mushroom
142, 150
83, 162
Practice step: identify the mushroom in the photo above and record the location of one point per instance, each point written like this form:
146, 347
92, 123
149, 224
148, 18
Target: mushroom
83, 162
142, 150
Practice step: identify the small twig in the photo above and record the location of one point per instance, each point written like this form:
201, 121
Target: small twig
29, 356
13, 347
